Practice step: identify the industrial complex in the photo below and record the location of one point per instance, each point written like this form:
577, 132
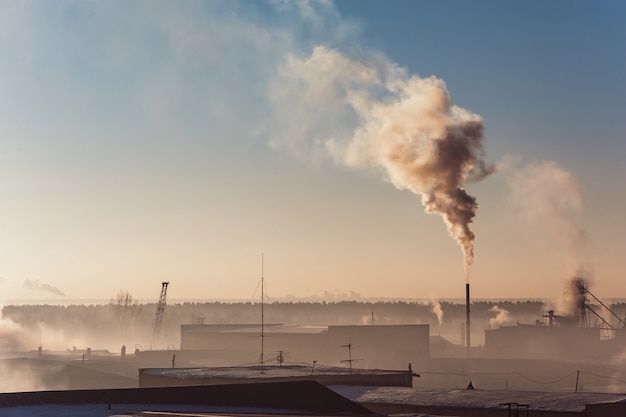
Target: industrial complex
393, 357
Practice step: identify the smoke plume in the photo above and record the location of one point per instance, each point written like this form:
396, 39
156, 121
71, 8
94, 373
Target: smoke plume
372, 114
13, 337
570, 303
502, 316
550, 198
37, 286
435, 308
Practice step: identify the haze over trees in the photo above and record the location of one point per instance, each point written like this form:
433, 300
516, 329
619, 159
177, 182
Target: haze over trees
124, 321
126, 308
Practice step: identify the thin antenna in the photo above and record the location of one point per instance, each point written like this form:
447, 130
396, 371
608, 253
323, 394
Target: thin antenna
262, 314
349, 360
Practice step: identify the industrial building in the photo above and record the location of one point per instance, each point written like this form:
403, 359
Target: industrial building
591, 332
371, 347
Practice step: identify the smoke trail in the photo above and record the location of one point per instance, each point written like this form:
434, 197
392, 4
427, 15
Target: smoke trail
36, 285
13, 337
435, 308
550, 197
502, 316
374, 115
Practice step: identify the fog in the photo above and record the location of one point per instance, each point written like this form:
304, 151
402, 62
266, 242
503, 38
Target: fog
78, 346
81, 344
102, 326
63, 328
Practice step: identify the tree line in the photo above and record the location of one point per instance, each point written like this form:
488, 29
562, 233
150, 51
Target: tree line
124, 319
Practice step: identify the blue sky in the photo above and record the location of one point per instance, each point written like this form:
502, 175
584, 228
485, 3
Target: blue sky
144, 141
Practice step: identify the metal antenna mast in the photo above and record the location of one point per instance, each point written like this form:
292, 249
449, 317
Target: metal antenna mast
349, 360
262, 317
349, 346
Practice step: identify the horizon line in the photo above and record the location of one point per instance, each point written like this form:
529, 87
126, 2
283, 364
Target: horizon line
318, 299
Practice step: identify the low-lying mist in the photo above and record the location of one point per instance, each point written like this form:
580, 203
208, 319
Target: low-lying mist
107, 326
66, 332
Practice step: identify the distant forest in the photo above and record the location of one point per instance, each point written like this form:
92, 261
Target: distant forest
124, 321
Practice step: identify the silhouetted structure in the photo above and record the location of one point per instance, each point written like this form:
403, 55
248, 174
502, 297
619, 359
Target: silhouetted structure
160, 312
565, 337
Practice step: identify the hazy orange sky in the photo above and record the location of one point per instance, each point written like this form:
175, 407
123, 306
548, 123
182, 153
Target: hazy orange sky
151, 141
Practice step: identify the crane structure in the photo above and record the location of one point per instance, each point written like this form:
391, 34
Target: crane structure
160, 312
584, 306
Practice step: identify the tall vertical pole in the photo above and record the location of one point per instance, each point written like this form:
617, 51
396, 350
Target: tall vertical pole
262, 317
467, 317
350, 356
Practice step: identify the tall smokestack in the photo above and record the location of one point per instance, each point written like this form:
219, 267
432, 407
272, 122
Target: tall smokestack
467, 317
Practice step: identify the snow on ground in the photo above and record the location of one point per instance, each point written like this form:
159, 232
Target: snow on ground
91, 410
129, 410
556, 401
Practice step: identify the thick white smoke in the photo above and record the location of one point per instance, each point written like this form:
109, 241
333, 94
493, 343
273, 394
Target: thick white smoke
373, 115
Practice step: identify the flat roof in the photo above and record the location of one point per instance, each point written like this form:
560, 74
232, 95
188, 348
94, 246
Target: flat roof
246, 372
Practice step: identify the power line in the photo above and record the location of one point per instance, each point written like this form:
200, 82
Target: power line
603, 376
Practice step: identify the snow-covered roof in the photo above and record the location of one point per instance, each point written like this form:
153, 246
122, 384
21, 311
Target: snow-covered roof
255, 371
555, 401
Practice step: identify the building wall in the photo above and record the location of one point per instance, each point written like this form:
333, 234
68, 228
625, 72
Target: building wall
546, 342
384, 346
381, 346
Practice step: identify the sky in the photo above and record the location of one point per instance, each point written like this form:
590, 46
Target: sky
150, 141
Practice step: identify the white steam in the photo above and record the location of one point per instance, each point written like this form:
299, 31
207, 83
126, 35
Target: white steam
551, 201
502, 316
373, 115
15, 338
435, 308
